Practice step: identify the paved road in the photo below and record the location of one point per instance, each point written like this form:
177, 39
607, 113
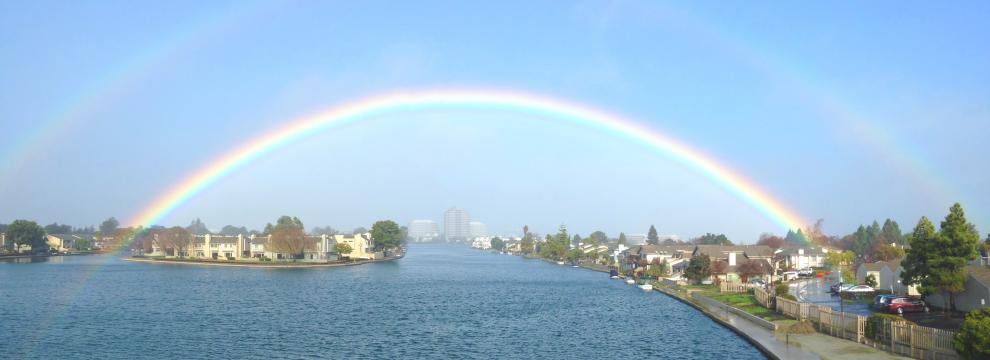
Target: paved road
816, 291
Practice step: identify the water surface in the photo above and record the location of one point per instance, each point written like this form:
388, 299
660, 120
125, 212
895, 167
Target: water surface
438, 302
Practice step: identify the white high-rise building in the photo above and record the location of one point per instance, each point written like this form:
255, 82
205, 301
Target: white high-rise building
423, 231
456, 225
478, 229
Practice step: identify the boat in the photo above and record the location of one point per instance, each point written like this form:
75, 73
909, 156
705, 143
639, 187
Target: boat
646, 287
560, 263
630, 281
574, 266
615, 277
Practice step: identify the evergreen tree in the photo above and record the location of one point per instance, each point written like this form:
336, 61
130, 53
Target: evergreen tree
651, 236
622, 239
918, 260
958, 242
576, 240
891, 233
197, 227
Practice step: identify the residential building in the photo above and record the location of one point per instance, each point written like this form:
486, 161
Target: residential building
735, 256
888, 276
802, 257
456, 225
317, 248
423, 231
977, 288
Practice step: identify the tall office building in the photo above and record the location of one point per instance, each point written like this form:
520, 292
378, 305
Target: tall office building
423, 231
456, 225
478, 229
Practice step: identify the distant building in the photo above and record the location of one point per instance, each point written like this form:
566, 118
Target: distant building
636, 239
456, 225
423, 231
478, 229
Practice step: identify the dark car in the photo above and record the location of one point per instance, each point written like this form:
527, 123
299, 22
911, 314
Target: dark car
901, 305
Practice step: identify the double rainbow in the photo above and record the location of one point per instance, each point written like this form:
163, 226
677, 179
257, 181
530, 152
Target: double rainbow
347, 113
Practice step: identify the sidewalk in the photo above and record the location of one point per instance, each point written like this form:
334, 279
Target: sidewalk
812, 346
765, 337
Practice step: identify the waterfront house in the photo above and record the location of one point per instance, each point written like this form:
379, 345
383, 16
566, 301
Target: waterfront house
733, 256
977, 289
802, 257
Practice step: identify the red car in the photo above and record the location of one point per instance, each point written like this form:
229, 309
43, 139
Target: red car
902, 305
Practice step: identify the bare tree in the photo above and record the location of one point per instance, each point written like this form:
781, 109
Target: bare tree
290, 240
177, 238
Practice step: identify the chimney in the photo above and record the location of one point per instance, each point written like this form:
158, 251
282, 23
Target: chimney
732, 259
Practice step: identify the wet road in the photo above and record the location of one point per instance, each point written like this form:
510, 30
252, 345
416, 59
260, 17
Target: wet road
816, 291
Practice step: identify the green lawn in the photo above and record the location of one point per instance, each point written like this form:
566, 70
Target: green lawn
747, 303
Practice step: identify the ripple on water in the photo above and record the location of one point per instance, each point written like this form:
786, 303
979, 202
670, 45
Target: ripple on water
438, 302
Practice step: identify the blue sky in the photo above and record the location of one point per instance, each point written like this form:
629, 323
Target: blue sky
846, 112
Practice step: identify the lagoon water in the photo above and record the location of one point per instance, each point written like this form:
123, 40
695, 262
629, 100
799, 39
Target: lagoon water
438, 302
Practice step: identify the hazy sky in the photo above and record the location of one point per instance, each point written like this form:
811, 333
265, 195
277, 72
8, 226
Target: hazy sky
846, 112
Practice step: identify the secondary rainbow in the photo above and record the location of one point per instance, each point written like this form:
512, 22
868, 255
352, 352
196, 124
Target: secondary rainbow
370, 107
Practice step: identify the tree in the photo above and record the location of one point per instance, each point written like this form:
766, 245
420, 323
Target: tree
597, 238
359, 230
231, 230
719, 267
837, 259
917, 262
386, 234
651, 236
25, 232
937, 261
109, 226
288, 236
771, 240
622, 239
576, 240
888, 253
197, 227
816, 235
871, 280
958, 240
323, 231
712, 239
55, 228
344, 250
699, 268
573, 255
891, 233
796, 238
177, 238
751, 268
526, 245
973, 339
497, 244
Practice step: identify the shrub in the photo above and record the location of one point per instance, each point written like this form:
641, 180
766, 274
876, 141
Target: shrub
871, 281
788, 297
782, 289
875, 328
973, 339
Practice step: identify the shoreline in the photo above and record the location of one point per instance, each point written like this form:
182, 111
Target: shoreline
742, 334
259, 264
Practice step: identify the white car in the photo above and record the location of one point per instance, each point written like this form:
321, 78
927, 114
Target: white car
857, 289
789, 275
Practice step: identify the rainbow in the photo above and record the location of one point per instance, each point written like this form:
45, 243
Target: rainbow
355, 111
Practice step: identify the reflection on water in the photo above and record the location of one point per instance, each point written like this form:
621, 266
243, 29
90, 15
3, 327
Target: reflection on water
31, 259
438, 302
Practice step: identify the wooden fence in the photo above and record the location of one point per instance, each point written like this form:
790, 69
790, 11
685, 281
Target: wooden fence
898, 337
730, 287
763, 297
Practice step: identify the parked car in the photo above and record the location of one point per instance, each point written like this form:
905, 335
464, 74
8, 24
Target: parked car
858, 289
789, 275
881, 301
835, 287
901, 305
758, 282
806, 272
